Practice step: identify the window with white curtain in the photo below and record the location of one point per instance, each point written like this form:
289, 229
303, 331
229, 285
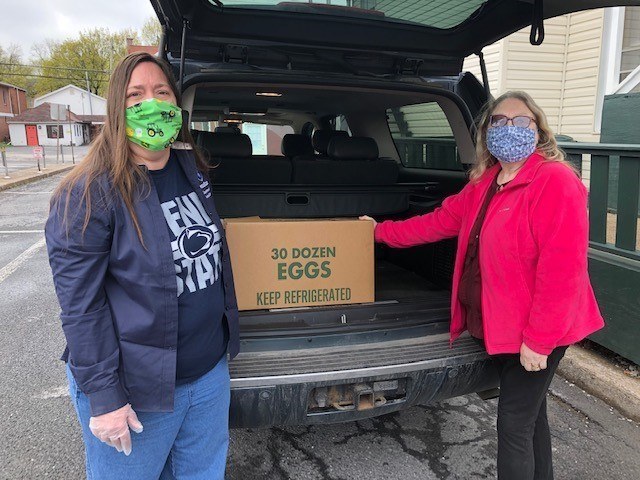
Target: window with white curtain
630, 56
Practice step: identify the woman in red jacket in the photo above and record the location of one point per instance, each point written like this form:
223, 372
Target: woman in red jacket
520, 282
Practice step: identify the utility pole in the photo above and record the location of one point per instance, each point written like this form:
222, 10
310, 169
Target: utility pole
58, 140
4, 161
86, 77
72, 130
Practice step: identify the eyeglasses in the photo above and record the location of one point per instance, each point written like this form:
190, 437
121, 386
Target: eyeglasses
521, 121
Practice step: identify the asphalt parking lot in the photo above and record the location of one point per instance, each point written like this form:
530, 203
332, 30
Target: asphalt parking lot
454, 439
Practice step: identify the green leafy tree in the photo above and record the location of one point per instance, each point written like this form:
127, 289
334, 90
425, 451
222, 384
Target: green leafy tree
12, 68
43, 50
151, 32
91, 56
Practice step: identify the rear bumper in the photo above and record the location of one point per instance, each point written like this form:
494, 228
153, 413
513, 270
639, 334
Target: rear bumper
283, 398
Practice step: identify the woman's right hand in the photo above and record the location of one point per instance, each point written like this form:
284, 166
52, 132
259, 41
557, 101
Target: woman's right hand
367, 217
113, 428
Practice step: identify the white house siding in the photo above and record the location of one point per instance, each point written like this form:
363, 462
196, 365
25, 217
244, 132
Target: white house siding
426, 120
514, 64
493, 61
539, 70
581, 84
67, 129
77, 99
18, 134
423, 120
561, 74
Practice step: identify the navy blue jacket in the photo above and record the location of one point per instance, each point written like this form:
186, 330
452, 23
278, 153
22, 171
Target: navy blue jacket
119, 298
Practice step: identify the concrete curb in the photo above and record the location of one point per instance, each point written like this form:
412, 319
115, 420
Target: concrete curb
602, 379
32, 177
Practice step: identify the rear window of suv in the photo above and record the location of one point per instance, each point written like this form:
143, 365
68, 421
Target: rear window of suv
423, 137
436, 13
265, 139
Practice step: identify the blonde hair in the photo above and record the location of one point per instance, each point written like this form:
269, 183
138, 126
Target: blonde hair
109, 152
547, 145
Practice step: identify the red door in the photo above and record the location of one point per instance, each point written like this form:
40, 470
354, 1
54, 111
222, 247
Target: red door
32, 135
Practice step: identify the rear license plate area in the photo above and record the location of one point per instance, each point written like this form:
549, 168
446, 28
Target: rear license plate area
358, 396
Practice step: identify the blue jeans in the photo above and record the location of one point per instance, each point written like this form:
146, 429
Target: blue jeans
189, 443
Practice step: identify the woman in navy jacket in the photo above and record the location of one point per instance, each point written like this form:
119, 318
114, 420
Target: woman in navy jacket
143, 277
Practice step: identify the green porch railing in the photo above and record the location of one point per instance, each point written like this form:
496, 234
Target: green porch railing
614, 268
626, 180
615, 171
428, 152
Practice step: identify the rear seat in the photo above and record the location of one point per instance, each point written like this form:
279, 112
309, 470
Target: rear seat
232, 161
322, 138
320, 189
348, 161
305, 164
296, 145
227, 129
358, 157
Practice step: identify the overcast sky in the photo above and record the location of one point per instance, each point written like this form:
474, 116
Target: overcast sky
27, 22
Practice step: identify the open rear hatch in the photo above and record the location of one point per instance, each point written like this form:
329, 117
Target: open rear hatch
385, 37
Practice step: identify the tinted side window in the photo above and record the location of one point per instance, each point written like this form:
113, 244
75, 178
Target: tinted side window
340, 123
423, 137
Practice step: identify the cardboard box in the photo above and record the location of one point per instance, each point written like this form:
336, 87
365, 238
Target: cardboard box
285, 263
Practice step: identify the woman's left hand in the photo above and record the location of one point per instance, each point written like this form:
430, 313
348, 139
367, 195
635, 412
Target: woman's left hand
532, 361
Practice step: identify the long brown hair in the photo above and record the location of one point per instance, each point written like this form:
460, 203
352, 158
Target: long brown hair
547, 145
109, 153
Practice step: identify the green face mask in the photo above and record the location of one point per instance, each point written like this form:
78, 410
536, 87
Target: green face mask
153, 124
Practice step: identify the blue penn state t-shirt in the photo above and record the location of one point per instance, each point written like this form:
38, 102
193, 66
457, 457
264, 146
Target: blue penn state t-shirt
195, 242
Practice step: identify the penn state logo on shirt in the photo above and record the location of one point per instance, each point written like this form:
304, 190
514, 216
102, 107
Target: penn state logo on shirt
195, 240
196, 243
204, 184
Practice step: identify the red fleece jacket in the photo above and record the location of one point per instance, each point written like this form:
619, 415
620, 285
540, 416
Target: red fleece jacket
533, 256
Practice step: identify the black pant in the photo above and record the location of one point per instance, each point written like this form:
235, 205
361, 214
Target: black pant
524, 440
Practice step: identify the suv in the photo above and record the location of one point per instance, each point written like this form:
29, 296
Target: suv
379, 120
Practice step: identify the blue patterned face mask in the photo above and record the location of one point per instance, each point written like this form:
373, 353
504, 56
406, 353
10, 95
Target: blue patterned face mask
511, 144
